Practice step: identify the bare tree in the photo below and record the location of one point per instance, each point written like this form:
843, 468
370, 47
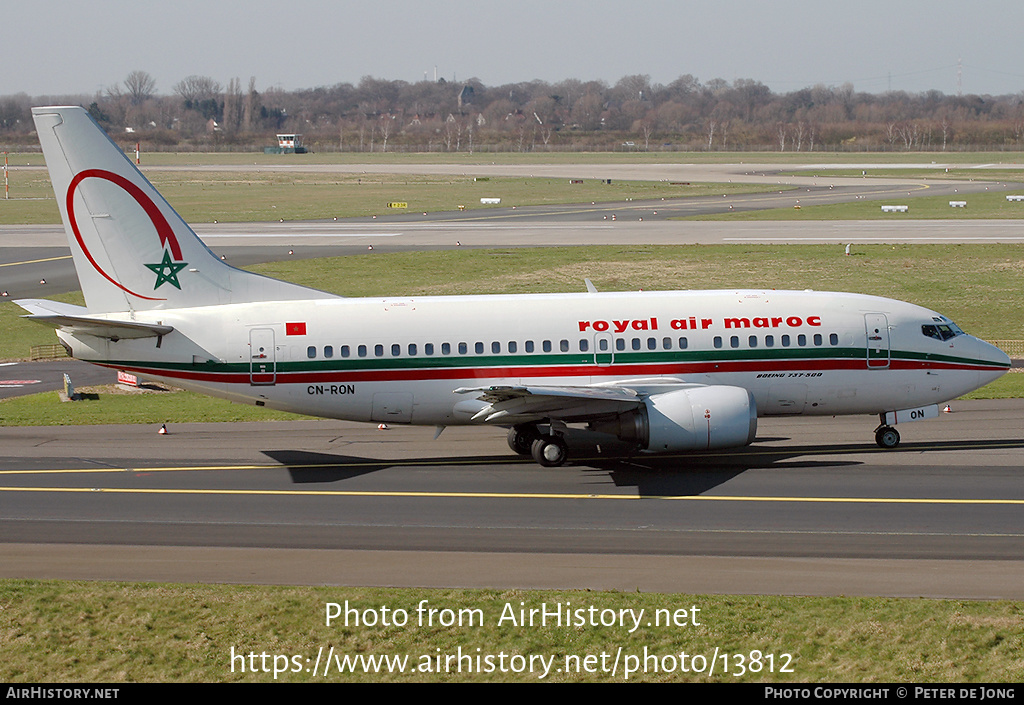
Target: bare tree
947, 129
384, 125
909, 133
194, 89
723, 131
545, 135
449, 132
249, 109
646, 130
232, 105
891, 133
709, 130
140, 86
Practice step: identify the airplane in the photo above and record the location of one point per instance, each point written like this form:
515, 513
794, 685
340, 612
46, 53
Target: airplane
665, 371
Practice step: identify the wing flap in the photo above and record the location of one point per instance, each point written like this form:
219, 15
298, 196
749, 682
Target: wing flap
533, 403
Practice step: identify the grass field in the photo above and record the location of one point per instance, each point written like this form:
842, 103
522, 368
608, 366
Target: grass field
56, 632
266, 196
112, 405
980, 206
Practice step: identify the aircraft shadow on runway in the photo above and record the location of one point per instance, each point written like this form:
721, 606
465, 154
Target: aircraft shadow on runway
311, 467
680, 475
665, 475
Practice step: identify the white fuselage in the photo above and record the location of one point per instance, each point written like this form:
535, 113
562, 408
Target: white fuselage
400, 359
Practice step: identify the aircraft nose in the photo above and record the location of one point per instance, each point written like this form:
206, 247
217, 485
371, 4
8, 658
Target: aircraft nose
992, 356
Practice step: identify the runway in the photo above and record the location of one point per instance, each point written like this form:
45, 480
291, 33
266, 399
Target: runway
814, 507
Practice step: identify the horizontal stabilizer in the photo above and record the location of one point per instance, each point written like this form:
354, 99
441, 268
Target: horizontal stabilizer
75, 319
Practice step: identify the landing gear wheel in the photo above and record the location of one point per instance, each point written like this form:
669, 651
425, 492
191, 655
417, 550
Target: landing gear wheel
550, 451
521, 438
887, 437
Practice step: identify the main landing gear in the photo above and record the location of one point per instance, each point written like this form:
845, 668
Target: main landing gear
548, 449
887, 436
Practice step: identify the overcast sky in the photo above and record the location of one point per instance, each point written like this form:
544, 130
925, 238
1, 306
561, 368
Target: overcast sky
57, 47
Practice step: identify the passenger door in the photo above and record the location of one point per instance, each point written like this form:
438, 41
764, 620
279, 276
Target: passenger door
876, 330
262, 357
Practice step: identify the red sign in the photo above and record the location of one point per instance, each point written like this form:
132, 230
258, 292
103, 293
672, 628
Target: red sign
295, 328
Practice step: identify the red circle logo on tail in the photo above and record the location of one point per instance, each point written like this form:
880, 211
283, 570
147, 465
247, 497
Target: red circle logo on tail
163, 228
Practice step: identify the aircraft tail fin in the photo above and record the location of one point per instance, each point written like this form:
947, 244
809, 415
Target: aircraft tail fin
132, 251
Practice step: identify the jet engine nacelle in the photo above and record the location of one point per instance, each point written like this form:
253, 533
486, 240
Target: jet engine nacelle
701, 418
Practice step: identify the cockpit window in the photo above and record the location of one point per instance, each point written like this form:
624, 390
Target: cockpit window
941, 331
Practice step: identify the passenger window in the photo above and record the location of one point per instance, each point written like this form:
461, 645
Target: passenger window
620, 343
718, 341
785, 341
428, 348
635, 343
769, 341
546, 345
734, 341
311, 352
412, 348
378, 350
512, 347
529, 346
752, 341
666, 343
652, 343
396, 350
833, 339
563, 345
584, 345
362, 351
801, 340
496, 347
328, 351
817, 338
683, 343
446, 348
479, 348
345, 352
463, 348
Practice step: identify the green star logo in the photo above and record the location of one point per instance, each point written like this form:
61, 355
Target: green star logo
167, 271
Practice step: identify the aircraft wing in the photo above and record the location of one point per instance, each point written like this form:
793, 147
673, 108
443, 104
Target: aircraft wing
518, 404
74, 319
